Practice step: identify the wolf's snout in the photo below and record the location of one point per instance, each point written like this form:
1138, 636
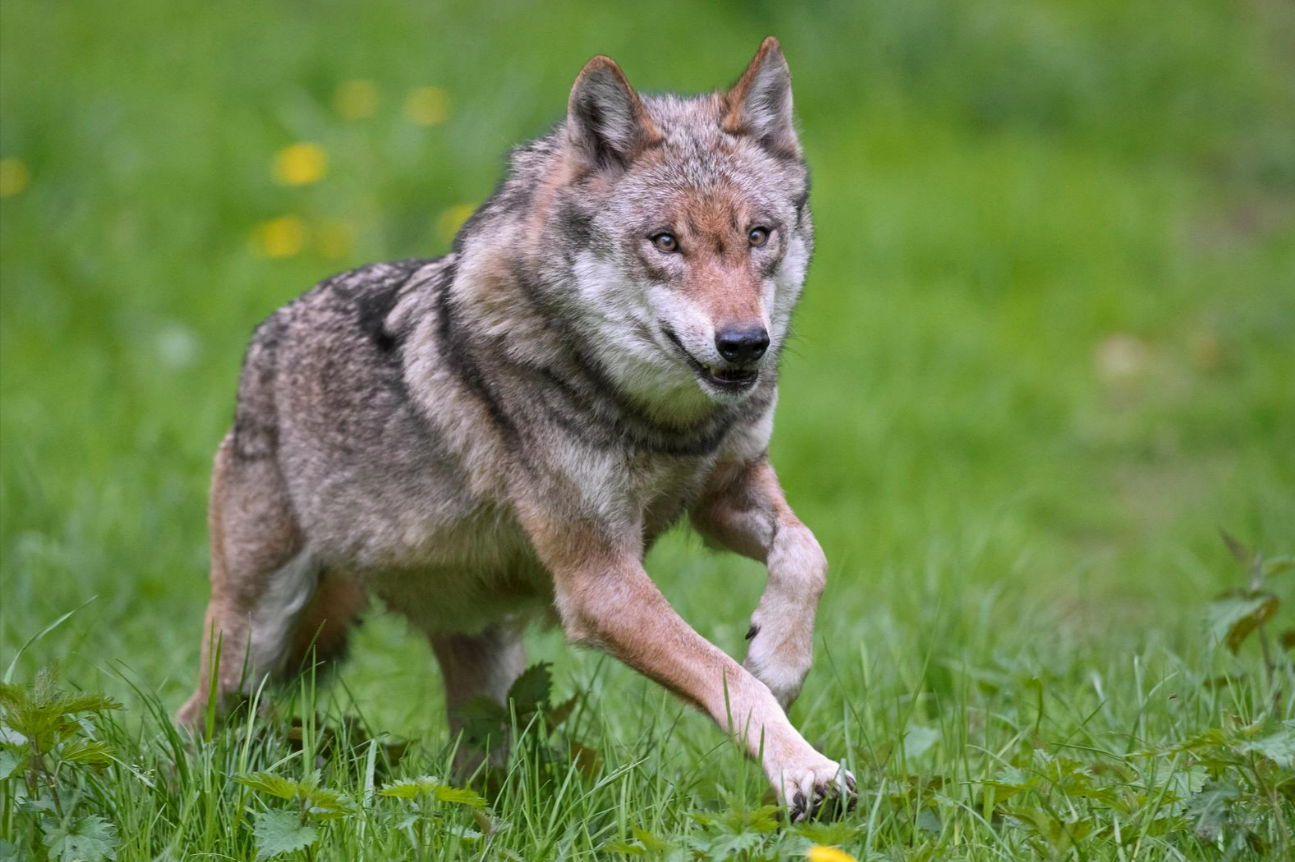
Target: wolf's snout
742, 345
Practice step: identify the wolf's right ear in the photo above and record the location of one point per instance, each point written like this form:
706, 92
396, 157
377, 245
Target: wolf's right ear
607, 125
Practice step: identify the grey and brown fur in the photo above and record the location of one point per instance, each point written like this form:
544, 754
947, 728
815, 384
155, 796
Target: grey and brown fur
503, 432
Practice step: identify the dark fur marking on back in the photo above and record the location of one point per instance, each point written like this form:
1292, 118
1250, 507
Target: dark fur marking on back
457, 353
372, 307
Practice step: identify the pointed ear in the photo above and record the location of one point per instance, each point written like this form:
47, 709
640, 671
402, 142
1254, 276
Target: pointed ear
607, 125
759, 104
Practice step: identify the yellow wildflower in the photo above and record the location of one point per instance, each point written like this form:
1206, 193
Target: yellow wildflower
300, 164
14, 177
427, 106
334, 238
449, 221
818, 853
356, 100
280, 237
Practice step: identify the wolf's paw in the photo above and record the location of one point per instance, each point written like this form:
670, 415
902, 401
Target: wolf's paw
817, 786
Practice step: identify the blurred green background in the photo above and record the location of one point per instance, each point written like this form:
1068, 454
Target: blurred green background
1046, 348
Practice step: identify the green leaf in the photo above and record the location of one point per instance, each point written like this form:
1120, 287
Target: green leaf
279, 832
1237, 613
9, 763
325, 804
459, 796
1277, 565
410, 788
650, 842
1278, 747
8, 852
483, 722
274, 785
88, 751
1209, 810
531, 690
80, 839
919, 740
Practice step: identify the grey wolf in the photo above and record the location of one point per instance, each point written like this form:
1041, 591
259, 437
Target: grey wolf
502, 433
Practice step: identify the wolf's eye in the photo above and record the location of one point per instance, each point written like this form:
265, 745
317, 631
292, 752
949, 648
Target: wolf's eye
666, 242
757, 236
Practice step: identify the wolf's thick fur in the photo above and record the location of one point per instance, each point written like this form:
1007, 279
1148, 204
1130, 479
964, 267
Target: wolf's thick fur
507, 429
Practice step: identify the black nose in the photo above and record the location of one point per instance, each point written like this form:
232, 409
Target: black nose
745, 344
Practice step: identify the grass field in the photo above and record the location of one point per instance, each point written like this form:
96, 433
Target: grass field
1047, 349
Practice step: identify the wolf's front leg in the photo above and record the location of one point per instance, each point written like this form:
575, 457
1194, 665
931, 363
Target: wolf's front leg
743, 509
607, 600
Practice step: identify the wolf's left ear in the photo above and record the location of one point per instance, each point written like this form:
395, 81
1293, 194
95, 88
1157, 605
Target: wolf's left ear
607, 125
759, 104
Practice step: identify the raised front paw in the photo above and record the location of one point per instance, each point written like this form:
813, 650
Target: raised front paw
779, 658
814, 786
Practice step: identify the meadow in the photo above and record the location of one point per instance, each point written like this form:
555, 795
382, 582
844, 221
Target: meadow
1046, 352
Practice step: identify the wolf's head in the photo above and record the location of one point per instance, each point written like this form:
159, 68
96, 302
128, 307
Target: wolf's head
682, 229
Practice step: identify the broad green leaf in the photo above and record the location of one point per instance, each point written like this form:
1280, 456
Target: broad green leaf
8, 852
279, 832
531, 690
919, 740
274, 785
1277, 565
1209, 809
85, 702
410, 788
618, 845
10, 763
81, 839
88, 751
650, 842
1278, 747
829, 832
460, 796
483, 722
1237, 613
325, 804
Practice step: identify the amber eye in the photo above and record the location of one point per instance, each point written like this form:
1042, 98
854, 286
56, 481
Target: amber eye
666, 242
758, 236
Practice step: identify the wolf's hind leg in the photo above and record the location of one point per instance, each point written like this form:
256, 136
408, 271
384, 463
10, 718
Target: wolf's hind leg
323, 631
480, 665
262, 579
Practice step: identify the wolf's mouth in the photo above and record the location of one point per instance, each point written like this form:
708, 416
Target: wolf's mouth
727, 379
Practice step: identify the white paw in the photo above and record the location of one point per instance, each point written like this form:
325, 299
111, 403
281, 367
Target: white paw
815, 784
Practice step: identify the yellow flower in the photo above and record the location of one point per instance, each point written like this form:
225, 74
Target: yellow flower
14, 177
818, 853
427, 106
356, 100
300, 164
449, 221
280, 237
334, 239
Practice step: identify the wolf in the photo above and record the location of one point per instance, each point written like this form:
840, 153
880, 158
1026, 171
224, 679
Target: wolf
500, 434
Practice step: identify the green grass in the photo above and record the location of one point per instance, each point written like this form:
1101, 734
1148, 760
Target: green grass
1046, 350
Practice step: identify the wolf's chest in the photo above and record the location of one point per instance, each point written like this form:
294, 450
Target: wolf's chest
662, 488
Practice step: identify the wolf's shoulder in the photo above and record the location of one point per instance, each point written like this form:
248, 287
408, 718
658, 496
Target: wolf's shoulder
357, 301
